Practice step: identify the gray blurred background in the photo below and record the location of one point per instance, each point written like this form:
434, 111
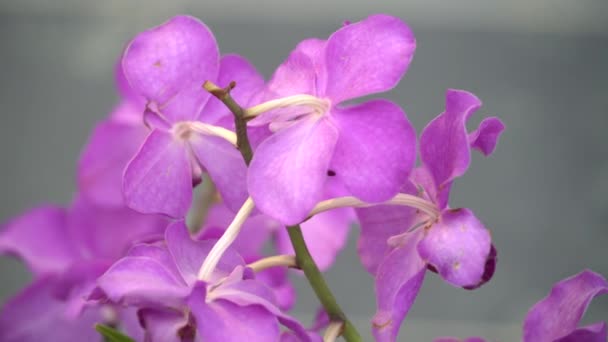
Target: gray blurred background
541, 66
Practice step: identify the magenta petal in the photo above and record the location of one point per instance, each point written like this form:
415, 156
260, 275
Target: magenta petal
103, 160
168, 64
398, 281
558, 314
325, 234
163, 325
376, 149
108, 233
159, 178
457, 246
189, 254
368, 57
591, 333
222, 320
378, 224
142, 281
485, 137
36, 314
288, 171
301, 72
226, 167
40, 238
248, 80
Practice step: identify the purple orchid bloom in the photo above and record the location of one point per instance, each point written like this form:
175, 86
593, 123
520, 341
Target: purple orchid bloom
167, 65
556, 317
369, 147
67, 250
398, 244
161, 280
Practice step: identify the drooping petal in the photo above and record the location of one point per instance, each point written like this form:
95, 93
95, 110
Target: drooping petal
40, 238
557, 315
592, 333
398, 281
159, 178
143, 281
168, 65
457, 246
108, 233
288, 171
378, 224
485, 137
367, 57
189, 254
248, 80
325, 235
165, 325
445, 145
252, 292
226, 167
376, 149
223, 320
103, 160
36, 314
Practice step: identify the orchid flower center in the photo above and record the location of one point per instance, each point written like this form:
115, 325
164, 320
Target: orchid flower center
184, 131
312, 106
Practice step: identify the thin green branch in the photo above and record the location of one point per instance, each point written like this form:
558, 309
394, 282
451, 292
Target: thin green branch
303, 258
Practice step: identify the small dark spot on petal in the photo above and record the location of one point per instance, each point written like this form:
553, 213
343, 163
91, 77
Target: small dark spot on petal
331, 173
158, 64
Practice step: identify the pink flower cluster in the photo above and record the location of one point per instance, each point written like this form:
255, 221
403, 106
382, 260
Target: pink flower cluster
122, 254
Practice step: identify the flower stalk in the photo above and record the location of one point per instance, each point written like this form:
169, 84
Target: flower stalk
304, 260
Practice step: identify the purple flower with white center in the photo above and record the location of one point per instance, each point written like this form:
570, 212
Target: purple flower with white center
398, 244
368, 147
556, 317
67, 250
174, 305
168, 65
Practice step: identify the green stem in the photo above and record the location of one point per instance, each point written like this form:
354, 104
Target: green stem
303, 258
319, 285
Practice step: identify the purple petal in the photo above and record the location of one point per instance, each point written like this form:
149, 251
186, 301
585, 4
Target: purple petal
103, 160
457, 246
159, 178
376, 149
378, 224
40, 238
277, 280
591, 333
445, 144
368, 57
252, 292
248, 83
485, 137
143, 281
302, 72
36, 314
398, 281
168, 64
189, 254
165, 325
108, 233
226, 167
129, 323
222, 320
288, 171
558, 314
325, 234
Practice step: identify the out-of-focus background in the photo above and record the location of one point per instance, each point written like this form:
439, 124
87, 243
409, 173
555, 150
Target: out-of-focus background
540, 65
